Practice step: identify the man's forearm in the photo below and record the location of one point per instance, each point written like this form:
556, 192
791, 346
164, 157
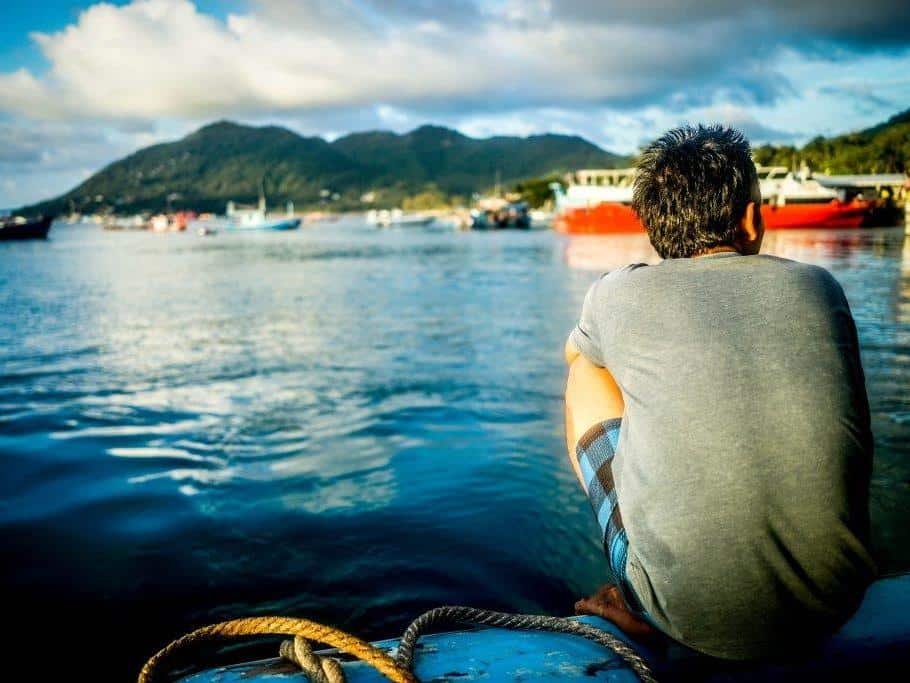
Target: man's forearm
592, 396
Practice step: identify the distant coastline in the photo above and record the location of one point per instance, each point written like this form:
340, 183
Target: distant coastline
429, 167
226, 161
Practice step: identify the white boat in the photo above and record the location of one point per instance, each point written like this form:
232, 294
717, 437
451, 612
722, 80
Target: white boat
260, 222
125, 223
779, 186
541, 218
256, 218
592, 186
397, 218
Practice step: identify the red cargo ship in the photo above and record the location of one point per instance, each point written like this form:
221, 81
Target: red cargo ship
599, 202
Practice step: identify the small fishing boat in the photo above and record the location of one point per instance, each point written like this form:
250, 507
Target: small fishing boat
170, 222
497, 213
396, 218
19, 228
125, 223
541, 218
256, 218
875, 641
261, 222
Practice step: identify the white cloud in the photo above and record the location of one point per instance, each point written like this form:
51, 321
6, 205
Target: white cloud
166, 58
745, 120
47, 157
155, 58
615, 72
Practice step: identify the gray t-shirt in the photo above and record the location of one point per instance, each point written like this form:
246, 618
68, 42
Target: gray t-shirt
744, 458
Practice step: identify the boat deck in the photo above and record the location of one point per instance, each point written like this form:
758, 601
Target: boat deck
875, 641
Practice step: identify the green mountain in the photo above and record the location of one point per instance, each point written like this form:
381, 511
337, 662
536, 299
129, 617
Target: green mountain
884, 148
457, 164
227, 161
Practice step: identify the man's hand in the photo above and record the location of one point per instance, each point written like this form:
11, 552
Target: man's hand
607, 603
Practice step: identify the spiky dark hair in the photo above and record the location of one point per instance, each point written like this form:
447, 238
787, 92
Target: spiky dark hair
692, 187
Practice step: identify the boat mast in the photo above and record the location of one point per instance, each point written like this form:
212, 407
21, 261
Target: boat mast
262, 193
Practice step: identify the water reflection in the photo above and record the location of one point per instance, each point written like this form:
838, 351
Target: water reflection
824, 246
607, 252
903, 302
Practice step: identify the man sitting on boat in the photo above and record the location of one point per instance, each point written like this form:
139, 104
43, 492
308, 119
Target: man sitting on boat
717, 418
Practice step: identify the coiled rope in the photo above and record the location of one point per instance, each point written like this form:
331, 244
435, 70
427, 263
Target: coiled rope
526, 622
399, 670
284, 626
318, 669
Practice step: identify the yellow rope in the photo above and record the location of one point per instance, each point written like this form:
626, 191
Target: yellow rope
318, 669
285, 626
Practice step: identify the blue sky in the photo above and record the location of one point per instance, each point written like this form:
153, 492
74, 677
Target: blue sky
47, 16
85, 83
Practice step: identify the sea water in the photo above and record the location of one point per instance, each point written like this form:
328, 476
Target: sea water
340, 423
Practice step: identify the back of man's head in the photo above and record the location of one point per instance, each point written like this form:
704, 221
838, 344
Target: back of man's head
692, 187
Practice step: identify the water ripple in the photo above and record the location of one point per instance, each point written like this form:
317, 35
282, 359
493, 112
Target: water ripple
349, 424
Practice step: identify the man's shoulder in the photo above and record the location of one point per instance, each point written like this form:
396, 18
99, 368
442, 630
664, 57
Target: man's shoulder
772, 261
802, 273
783, 272
776, 267
622, 274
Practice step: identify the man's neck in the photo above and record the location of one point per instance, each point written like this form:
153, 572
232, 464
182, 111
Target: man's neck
717, 250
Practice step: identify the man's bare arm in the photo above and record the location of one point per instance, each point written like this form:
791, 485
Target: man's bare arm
592, 396
571, 352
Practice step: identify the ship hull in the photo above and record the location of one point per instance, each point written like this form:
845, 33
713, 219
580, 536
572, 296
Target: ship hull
609, 218
30, 230
834, 214
602, 219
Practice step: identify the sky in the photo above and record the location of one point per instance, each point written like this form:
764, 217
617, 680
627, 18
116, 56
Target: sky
85, 83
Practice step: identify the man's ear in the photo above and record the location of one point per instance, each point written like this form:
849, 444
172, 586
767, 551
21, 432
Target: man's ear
751, 229
748, 227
